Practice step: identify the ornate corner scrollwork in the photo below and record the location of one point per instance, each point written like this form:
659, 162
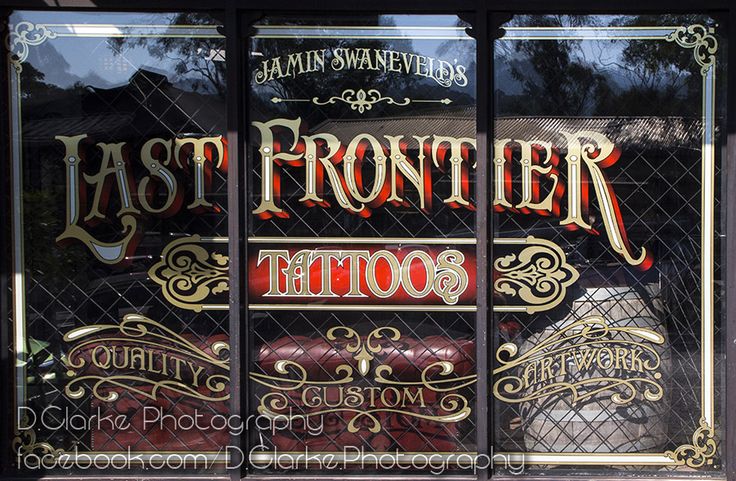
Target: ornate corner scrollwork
25, 443
700, 452
538, 275
23, 36
188, 273
701, 40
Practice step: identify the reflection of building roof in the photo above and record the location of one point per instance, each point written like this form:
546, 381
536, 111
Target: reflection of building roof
454, 123
147, 106
652, 131
44, 130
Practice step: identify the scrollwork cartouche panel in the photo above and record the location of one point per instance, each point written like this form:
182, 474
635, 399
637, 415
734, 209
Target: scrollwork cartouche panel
437, 380
532, 279
142, 352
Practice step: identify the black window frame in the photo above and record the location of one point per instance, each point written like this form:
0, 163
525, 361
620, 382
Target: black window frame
485, 17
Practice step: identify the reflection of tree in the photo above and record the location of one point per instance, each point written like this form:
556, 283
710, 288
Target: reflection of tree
42, 224
554, 77
43, 196
192, 56
578, 77
463, 51
32, 82
660, 73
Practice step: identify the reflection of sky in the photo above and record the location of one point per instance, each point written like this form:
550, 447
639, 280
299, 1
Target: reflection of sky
605, 57
428, 47
431, 47
93, 61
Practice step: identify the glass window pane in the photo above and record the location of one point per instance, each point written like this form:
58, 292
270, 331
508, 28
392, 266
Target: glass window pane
119, 218
607, 153
361, 230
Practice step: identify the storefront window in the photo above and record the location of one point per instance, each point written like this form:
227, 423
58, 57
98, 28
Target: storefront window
607, 165
471, 243
119, 224
361, 240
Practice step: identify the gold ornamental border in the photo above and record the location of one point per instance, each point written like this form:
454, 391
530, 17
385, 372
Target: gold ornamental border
355, 32
702, 41
18, 41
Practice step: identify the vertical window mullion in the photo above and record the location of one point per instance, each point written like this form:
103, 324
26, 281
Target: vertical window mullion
484, 233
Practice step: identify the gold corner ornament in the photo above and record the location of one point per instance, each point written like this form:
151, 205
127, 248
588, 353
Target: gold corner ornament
25, 444
150, 354
188, 273
701, 39
362, 100
539, 275
23, 36
700, 452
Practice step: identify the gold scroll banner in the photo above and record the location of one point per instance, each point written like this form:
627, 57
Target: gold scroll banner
144, 357
531, 274
573, 361
436, 395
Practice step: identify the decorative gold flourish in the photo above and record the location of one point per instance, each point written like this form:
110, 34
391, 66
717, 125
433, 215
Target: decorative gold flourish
188, 273
700, 452
146, 333
141, 329
25, 444
444, 384
579, 336
101, 384
701, 40
538, 275
362, 100
23, 36
365, 349
512, 385
455, 406
284, 366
